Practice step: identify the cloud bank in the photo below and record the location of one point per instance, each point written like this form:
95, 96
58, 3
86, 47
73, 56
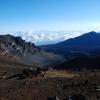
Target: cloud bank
45, 37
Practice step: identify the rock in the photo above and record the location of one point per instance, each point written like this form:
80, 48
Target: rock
77, 97
53, 98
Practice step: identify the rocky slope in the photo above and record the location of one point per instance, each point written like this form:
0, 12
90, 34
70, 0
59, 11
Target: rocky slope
25, 52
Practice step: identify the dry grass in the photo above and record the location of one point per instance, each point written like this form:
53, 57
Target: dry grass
60, 73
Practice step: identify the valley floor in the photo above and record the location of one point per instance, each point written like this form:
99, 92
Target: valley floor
53, 85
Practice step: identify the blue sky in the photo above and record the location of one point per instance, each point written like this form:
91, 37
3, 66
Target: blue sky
30, 15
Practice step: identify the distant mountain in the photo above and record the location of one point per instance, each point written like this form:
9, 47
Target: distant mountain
74, 46
25, 52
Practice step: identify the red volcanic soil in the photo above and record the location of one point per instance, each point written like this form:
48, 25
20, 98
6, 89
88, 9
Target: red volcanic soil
42, 88
51, 83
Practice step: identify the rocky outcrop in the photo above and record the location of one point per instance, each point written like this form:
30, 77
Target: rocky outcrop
25, 52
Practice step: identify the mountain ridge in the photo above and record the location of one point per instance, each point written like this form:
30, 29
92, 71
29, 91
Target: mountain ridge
81, 44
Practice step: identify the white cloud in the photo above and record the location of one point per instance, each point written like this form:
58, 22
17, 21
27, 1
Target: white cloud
45, 37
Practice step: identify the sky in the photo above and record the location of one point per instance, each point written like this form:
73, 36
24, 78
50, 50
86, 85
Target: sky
37, 15
49, 21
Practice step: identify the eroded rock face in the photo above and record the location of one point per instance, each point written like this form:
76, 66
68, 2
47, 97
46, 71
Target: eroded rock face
15, 47
17, 43
26, 52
